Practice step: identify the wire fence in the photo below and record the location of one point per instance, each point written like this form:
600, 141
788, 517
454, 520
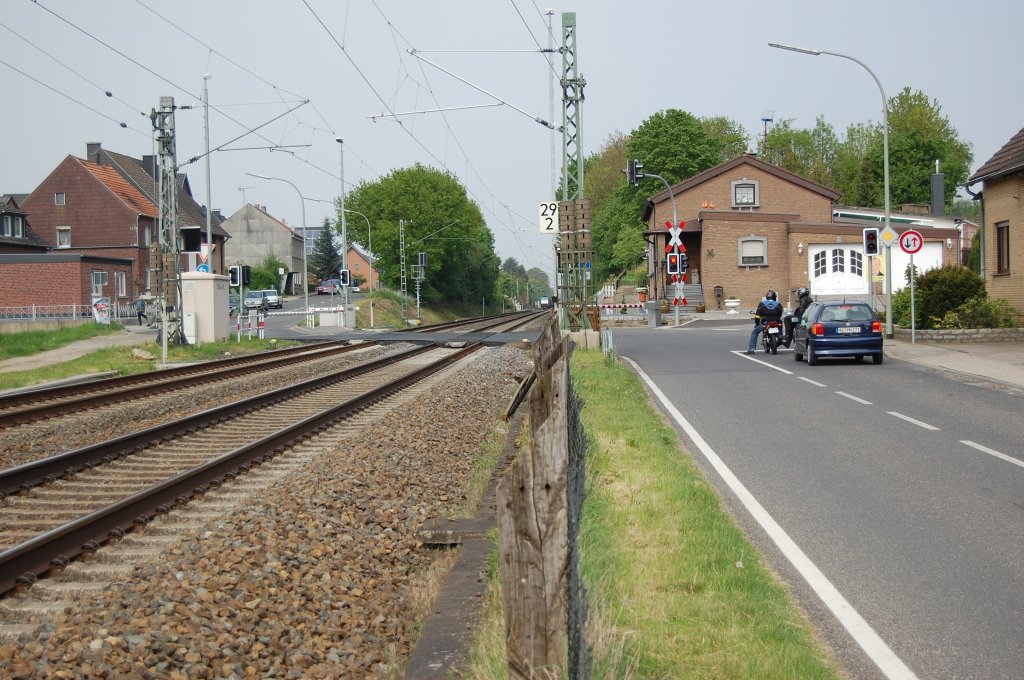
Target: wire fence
121, 310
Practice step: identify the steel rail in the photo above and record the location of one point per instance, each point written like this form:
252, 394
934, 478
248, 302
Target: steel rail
23, 477
24, 563
197, 376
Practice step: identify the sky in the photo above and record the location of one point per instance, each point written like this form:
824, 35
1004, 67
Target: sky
480, 61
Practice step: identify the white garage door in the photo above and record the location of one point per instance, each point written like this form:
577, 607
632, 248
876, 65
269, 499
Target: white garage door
838, 269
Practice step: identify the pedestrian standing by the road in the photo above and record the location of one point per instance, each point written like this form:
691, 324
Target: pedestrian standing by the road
140, 309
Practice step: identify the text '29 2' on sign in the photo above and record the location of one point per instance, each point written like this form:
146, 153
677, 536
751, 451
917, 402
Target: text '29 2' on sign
547, 217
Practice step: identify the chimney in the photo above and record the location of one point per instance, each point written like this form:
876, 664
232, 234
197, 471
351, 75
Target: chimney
938, 192
149, 165
92, 152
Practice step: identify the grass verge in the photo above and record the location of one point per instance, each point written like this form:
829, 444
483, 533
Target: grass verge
675, 590
29, 342
120, 360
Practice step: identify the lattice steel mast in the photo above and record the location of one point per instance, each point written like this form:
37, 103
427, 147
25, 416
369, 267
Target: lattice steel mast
168, 260
574, 243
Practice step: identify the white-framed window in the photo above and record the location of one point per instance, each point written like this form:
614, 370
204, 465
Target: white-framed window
99, 280
60, 198
746, 193
856, 263
119, 281
19, 227
820, 263
63, 237
753, 251
147, 236
7, 227
838, 260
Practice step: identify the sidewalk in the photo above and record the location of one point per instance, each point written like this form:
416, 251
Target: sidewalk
999, 362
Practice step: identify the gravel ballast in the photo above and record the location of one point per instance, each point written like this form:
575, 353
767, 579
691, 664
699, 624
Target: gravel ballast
314, 579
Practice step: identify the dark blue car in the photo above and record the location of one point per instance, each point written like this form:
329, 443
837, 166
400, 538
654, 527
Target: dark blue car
838, 330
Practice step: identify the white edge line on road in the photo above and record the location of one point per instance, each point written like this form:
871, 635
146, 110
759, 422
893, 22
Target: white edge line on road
813, 382
912, 420
992, 452
861, 631
743, 354
856, 399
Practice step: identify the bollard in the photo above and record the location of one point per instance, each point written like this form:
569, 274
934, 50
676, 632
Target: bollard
653, 314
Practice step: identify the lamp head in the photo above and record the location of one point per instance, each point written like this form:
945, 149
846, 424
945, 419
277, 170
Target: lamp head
794, 48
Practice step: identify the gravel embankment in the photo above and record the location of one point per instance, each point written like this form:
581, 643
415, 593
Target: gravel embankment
313, 580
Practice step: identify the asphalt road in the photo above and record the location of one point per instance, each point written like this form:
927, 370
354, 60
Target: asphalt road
902, 488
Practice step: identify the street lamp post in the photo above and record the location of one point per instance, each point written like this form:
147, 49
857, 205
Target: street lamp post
885, 163
344, 224
369, 242
302, 202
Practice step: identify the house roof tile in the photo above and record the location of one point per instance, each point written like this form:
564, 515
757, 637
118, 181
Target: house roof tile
131, 196
1010, 158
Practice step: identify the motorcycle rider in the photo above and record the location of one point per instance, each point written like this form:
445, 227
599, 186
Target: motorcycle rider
804, 300
768, 309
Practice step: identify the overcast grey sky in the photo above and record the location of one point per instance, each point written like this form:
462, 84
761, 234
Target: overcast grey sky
637, 58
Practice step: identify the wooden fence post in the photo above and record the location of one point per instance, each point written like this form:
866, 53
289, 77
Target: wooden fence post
533, 525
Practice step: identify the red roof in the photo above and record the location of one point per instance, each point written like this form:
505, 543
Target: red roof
131, 196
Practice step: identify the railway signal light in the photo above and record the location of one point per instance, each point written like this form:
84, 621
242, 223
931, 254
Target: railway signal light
234, 275
871, 241
344, 277
673, 263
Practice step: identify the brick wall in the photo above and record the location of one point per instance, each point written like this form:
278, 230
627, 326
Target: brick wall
1002, 203
64, 281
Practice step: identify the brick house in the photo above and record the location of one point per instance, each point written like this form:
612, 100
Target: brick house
65, 283
16, 235
86, 209
360, 264
141, 173
753, 226
1002, 213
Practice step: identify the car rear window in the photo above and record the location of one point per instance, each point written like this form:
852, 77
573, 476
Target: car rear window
847, 313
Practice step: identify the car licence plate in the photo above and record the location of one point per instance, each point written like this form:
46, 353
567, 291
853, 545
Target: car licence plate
848, 330
773, 329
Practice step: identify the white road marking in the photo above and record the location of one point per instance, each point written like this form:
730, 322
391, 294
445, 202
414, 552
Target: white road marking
856, 399
993, 452
861, 631
912, 420
758, 361
813, 382
728, 329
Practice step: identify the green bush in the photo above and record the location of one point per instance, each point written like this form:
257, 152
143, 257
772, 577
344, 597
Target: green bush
980, 312
943, 290
901, 308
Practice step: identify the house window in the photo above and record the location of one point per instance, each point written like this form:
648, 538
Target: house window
838, 260
1003, 248
99, 280
7, 226
119, 280
745, 194
820, 263
147, 236
753, 251
856, 263
60, 199
63, 237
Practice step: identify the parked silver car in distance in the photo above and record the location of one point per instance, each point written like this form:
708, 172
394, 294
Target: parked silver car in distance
273, 298
256, 299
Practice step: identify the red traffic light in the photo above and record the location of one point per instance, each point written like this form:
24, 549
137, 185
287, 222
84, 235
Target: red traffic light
673, 263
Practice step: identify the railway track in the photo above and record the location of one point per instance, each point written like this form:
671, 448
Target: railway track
72, 504
45, 404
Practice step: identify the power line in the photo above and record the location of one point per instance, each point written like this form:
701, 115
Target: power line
83, 105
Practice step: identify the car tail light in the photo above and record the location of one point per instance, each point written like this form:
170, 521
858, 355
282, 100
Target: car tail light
876, 326
817, 329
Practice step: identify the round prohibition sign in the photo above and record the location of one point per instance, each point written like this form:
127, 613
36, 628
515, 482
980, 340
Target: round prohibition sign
911, 241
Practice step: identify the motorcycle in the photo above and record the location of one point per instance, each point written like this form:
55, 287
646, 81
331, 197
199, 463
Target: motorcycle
771, 335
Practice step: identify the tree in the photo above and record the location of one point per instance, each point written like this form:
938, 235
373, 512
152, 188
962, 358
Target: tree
325, 261
808, 153
439, 220
732, 136
264, 275
673, 144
